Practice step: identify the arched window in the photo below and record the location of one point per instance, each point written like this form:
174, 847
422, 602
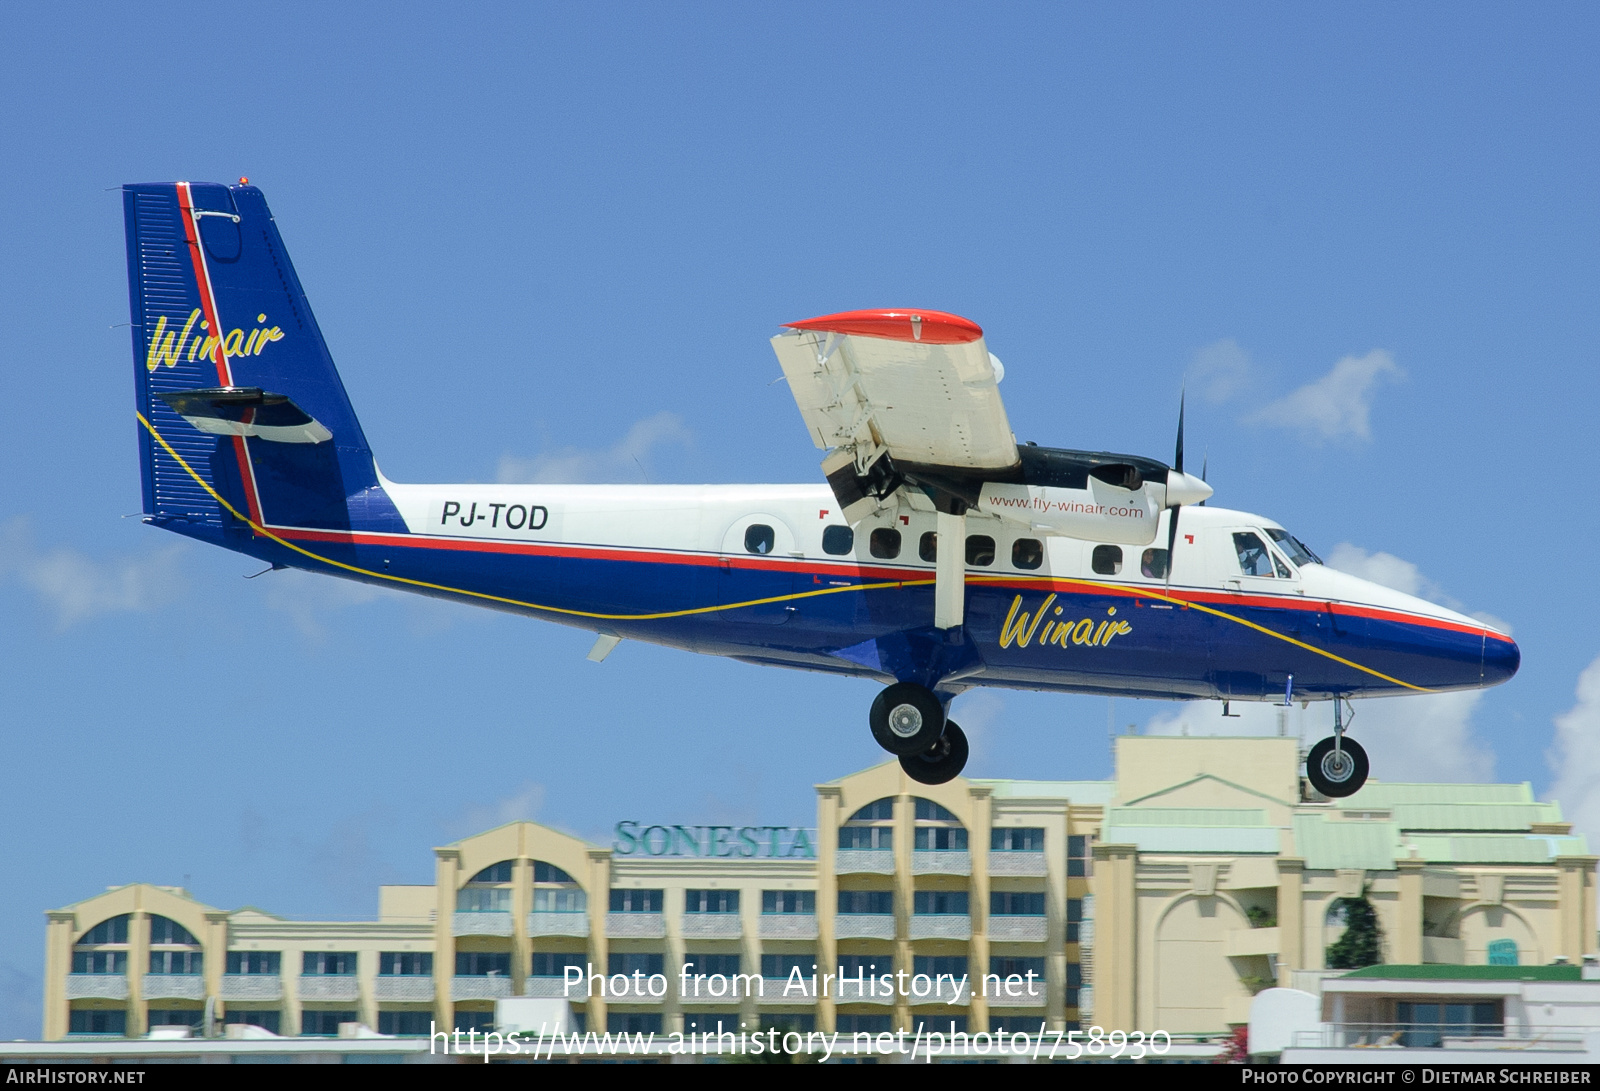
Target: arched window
97, 950
868, 829
1502, 952
554, 891
495, 873
165, 930
110, 930
937, 829
879, 810
489, 891
173, 948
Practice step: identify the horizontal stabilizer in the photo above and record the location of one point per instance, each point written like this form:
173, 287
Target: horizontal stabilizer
246, 411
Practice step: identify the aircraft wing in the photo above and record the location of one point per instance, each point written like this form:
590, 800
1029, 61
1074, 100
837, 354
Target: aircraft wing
919, 386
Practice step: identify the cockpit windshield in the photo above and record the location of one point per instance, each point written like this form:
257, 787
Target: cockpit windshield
1294, 547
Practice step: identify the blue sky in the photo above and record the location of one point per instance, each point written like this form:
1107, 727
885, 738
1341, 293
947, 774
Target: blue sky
552, 241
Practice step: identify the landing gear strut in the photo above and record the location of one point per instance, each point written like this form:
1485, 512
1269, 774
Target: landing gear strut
1337, 767
908, 721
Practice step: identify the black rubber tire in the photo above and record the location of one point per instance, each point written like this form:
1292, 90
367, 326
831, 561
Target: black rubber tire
943, 761
1325, 777
914, 711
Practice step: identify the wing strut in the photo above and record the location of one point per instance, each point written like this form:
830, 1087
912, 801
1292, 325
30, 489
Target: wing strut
950, 572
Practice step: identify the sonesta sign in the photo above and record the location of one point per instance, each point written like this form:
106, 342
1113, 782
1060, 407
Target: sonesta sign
772, 842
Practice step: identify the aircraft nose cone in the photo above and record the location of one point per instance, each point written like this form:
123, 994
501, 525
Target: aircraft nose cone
1501, 658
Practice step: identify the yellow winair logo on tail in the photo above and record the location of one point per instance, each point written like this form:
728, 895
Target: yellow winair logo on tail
169, 346
1021, 627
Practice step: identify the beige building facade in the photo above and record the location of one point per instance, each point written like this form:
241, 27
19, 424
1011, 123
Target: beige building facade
1161, 899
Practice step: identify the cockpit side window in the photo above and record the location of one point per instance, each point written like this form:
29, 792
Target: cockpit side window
1254, 557
1294, 547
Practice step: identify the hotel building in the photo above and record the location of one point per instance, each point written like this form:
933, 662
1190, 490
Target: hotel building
1163, 898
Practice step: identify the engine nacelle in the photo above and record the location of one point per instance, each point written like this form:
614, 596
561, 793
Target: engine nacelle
1098, 513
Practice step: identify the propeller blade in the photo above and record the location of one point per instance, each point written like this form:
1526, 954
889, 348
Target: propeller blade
1205, 464
1172, 540
1177, 460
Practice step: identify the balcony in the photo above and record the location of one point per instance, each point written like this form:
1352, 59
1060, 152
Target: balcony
403, 988
557, 987
328, 987
1029, 865
864, 862
480, 923
636, 925
1243, 942
941, 926
1018, 929
252, 987
712, 926
945, 992
850, 991
788, 926
174, 987
476, 987
636, 993
863, 926
785, 990
566, 923
102, 986
941, 862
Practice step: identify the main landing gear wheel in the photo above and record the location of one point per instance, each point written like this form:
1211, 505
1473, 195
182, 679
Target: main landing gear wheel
907, 719
1336, 773
941, 762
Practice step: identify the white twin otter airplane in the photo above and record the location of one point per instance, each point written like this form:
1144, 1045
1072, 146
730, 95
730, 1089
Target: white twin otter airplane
938, 556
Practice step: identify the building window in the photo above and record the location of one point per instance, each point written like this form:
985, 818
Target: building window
879, 810
940, 902
1106, 560
405, 964
405, 1024
1074, 983
784, 1023
838, 540
866, 838
266, 1020
862, 1024
711, 1022
483, 964
474, 1020
176, 1017
1003, 966
1502, 952
1015, 1024
631, 962
1074, 919
1017, 839
165, 930
866, 901
111, 930
324, 1024
782, 966
633, 1022
1428, 1024
328, 964
1027, 553
1079, 858
176, 962
864, 966
99, 962
560, 901
495, 873
1016, 903
555, 963
483, 899
789, 901
759, 538
253, 962
929, 811
97, 1021
939, 839
885, 543
626, 899
549, 873
711, 901
708, 964
935, 965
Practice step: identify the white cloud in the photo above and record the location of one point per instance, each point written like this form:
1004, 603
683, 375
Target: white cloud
1575, 756
76, 587
521, 805
1220, 370
1338, 405
624, 461
1402, 575
310, 599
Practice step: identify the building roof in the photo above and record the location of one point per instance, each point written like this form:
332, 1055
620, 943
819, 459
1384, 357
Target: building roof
1473, 816
1342, 845
1378, 794
1078, 791
1433, 972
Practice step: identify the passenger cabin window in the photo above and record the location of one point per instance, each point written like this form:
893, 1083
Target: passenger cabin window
1106, 560
759, 538
980, 550
1027, 553
885, 543
837, 540
1154, 564
1254, 557
1294, 547
928, 547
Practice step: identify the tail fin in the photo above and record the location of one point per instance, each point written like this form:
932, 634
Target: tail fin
240, 405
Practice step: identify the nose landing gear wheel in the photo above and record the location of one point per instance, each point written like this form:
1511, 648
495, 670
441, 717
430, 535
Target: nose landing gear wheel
906, 719
1337, 773
941, 762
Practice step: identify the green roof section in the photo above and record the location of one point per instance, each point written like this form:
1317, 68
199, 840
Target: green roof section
1237, 840
1504, 817
1186, 816
1341, 845
1381, 795
1489, 848
1468, 973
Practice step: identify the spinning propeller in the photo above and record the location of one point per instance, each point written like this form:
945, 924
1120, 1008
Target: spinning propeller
1181, 489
